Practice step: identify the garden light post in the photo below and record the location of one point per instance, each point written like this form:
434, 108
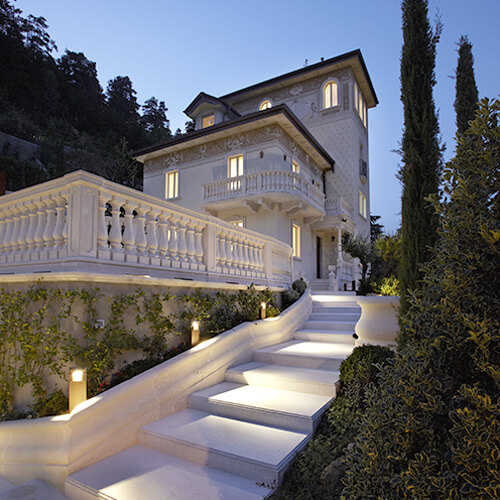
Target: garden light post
195, 333
77, 387
263, 306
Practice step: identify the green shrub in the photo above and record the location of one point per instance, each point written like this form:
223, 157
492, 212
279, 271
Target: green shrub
432, 426
387, 286
299, 285
53, 404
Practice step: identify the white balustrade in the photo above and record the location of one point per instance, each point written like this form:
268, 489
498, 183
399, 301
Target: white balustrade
82, 219
270, 181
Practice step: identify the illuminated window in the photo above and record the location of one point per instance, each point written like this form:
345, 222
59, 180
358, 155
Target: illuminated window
208, 121
295, 167
296, 240
360, 105
362, 205
238, 223
330, 94
235, 166
265, 105
172, 185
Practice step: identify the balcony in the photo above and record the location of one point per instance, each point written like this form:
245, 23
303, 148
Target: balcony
363, 171
291, 191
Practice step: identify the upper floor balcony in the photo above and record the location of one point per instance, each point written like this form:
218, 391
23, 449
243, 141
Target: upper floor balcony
292, 191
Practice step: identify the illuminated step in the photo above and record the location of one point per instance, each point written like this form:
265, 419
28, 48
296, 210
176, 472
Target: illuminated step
305, 354
263, 405
142, 473
254, 451
325, 336
291, 378
332, 315
334, 326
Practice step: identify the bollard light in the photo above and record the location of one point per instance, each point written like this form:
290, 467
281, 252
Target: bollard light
195, 333
77, 387
263, 306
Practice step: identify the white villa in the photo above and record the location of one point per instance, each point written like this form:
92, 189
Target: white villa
287, 157
260, 192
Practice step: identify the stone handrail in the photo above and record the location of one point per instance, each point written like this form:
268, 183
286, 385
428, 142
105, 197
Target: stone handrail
87, 222
53, 447
275, 181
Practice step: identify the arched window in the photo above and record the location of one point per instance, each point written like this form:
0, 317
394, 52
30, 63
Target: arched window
265, 105
330, 94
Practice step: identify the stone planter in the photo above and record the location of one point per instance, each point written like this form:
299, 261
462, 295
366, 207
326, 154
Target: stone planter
378, 324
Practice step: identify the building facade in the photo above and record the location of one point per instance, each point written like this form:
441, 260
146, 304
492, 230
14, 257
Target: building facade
287, 157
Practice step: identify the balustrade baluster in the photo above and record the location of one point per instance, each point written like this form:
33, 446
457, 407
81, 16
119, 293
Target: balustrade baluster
9, 226
15, 231
48, 234
230, 258
182, 247
128, 237
140, 234
190, 250
251, 257
198, 245
163, 237
246, 258
23, 231
173, 241
40, 228
152, 239
115, 233
59, 227
221, 257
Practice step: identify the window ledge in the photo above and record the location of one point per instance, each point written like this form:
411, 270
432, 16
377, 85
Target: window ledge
173, 199
334, 109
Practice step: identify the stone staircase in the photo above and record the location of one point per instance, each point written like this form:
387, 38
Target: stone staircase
236, 438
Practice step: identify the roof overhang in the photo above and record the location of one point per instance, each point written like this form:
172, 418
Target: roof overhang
353, 60
279, 115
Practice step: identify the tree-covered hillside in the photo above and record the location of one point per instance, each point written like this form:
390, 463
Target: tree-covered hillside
59, 104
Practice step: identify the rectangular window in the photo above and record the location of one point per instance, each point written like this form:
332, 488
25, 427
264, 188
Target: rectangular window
296, 240
235, 166
172, 185
208, 121
362, 205
295, 167
360, 105
238, 223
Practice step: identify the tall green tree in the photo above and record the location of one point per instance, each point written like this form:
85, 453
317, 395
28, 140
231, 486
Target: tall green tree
431, 430
421, 152
154, 120
467, 96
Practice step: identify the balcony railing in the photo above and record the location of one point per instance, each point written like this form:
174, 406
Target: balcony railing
81, 222
338, 207
261, 183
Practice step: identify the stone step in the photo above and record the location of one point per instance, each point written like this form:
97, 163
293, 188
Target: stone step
262, 405
255, 451
325, 336
142, 473
292, 378
305, 354
332, 315
333, 326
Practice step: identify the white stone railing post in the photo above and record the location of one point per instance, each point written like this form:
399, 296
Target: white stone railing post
152, 238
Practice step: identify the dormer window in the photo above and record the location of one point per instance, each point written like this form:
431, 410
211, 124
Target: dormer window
208, 121
265, 105
330, 94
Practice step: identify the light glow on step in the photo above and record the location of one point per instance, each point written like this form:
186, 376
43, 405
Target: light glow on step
317, 348
204, 344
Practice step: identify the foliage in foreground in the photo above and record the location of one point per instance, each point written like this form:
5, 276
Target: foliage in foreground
307, 478
432, 427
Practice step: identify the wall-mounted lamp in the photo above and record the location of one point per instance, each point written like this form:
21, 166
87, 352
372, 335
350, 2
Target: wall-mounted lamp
261, 154
344, 220
195, 333
77, 387
263, 306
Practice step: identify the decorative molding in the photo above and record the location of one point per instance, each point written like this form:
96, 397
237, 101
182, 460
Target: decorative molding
227, 145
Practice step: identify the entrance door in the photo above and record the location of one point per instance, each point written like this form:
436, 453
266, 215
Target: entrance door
318, 257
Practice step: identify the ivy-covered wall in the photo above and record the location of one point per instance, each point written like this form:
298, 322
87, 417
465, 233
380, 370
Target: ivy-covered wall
46, 329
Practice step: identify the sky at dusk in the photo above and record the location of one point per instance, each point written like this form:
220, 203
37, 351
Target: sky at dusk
174, 50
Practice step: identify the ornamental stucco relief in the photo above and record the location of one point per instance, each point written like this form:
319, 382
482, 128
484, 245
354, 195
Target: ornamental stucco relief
227, 145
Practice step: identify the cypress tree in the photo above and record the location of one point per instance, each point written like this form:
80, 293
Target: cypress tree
421, 152
467, 97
